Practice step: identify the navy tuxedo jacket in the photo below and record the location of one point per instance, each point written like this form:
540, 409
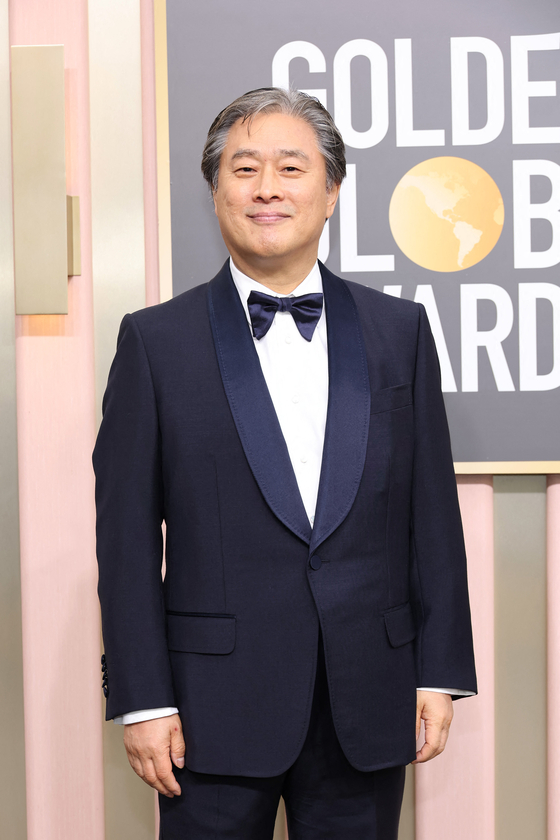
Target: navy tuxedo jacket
190, 437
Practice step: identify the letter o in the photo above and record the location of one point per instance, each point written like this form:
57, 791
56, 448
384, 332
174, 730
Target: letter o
379, 93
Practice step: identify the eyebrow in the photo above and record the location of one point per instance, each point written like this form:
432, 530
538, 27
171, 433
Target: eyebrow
297, 153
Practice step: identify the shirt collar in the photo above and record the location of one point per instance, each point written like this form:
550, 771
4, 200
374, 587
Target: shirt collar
312, 284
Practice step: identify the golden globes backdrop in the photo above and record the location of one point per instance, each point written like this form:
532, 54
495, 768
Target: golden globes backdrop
451, 117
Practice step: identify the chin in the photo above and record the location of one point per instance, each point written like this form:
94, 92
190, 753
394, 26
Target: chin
270, 249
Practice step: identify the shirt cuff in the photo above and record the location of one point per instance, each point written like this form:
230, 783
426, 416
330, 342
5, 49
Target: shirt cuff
146, 714
458, 692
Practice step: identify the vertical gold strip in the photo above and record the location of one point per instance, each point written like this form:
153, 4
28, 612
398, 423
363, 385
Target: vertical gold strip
163, 167
74, 245
407, 830
12, 766
520, 656
118, 287
116, 173
40, 243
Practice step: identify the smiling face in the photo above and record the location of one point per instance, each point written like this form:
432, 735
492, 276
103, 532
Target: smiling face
272, 200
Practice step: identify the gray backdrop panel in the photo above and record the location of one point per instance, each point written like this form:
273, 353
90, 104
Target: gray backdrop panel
220, 49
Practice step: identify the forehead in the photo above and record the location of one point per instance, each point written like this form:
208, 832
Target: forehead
272, 134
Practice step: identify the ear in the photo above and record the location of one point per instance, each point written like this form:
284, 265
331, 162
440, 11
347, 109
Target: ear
214, 191
332, 198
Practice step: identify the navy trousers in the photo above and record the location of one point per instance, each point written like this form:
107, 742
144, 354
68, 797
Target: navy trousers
325, 797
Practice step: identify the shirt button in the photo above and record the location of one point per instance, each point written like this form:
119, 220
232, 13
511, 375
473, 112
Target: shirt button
288, 339
303, 459
315, 562
295, 398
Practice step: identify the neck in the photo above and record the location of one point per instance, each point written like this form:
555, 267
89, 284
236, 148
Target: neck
282, 279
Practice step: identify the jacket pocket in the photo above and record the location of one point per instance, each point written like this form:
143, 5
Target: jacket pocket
399, 623
200, 633
390, 398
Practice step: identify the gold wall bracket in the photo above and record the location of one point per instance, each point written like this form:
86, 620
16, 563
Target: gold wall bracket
73, 233
46, 221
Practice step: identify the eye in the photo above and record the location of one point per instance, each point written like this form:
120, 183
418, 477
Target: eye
291, 169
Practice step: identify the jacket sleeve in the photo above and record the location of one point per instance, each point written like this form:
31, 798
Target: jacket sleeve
444, 646
129, 500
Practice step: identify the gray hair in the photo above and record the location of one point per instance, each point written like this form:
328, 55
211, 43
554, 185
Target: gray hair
293, 103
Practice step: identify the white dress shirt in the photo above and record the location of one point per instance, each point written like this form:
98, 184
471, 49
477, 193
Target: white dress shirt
296, 373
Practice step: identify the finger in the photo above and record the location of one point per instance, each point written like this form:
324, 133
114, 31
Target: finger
425, 754
436, 734
177, 745
135, 763
164, 773
155, 772
152, 779
418, 719
428, 750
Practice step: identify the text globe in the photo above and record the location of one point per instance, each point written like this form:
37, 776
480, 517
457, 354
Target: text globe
446, 214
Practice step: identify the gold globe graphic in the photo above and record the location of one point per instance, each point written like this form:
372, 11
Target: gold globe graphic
446, 214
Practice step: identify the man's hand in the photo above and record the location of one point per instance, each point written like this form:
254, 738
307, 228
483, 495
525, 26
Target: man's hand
151, 746
436, 710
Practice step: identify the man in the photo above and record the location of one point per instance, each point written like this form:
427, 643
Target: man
289, 428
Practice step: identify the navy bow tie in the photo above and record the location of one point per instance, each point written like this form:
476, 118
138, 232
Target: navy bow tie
306, 311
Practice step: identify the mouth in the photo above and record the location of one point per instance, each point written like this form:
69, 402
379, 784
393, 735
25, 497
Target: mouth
269, 218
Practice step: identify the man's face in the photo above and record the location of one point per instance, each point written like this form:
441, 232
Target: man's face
272, 200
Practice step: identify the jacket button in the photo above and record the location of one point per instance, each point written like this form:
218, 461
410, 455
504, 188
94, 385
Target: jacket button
315, 562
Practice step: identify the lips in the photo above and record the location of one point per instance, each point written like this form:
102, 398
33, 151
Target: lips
269, 218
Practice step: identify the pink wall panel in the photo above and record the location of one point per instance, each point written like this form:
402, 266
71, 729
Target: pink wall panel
553, 589
151, 231
150, 152
455, 791
56, 433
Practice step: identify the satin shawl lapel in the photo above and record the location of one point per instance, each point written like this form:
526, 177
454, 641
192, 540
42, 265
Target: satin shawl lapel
346, 433
251, 405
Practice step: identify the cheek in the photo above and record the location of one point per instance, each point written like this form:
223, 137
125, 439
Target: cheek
228, 209
234, 207
314, 202
317, 211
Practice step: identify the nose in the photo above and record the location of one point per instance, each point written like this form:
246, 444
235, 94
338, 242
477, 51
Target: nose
268, 186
